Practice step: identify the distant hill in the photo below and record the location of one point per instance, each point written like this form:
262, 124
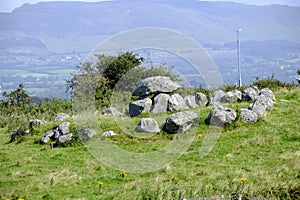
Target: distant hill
213, 22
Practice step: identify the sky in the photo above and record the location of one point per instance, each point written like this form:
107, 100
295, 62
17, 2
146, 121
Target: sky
9, 5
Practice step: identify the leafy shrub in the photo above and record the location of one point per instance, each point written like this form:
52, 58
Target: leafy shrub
271, 83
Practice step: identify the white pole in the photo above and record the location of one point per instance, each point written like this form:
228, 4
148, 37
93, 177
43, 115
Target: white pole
238, 55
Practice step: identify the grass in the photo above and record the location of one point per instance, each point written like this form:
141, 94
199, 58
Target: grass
265, 153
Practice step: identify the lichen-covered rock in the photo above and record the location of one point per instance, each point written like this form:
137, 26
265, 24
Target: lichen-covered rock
248, 116
108, 133
232, 96
61, 116
111, 111
140, 106
190, 101
181, 122
218, 97
155, 84
176, 102
148, 125
64, 128
268, 93
87, 133
201, 99
258, 108
250, 93
160, 103
64, 138
220, 115
266, 101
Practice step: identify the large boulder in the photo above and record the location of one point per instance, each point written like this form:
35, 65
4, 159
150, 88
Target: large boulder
218, 97
61, 116
50, 135
248, 116
155, 84
181, 122
190, 101
201, 99
220, 115
250, 93
87, 133
64, 128
35, 122
268, 93
261, 104
176, 102
148, 125
258, 108
64, 138
232, 96
140, 106
111, 111
160, 103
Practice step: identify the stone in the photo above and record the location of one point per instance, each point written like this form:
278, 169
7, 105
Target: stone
64, 138
181, 122
266, 101
111, 111
190, 101
64, 128
140, 106
108, 133
160, 103
218, 97
258, 108
233, 96
248, 116
201, 99
220, 115
35, 122
268, 93
48, 135
148, 125
61, 116
250, 93
155, 84
176, 102
87, 133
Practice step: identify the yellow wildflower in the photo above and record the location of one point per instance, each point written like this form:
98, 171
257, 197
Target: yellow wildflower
243, 180
123, 174
100, 183
200, 135
274, 99
288, 130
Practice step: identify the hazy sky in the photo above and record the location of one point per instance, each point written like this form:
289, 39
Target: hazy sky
9, 5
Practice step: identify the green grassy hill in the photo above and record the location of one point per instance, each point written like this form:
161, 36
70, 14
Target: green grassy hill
266, 153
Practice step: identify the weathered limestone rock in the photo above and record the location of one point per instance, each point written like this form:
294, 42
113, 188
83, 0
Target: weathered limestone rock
176, 102
201, 99
220, 115
268, 93
64, 138
218, 97
35, 122
64, 128
181, 122
148, 125
108, 133
232, 96
190, 101
248, 116
155, 84
140, 106
250, 93
111, 111
61, 116
160, 103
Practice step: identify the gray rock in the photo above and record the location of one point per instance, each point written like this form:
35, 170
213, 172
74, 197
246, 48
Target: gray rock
266, 101
248, 116
181, 122
148, 125
53, 133
108, 133
35, 122
61, 116
220, 115
218, 97
201, 99
232, 96
64, 138
64, 128
140, 106
250, 93
258, 108
87, 133
176, 102
155, 84
190, 101
268, 93
160, 103
111, 111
